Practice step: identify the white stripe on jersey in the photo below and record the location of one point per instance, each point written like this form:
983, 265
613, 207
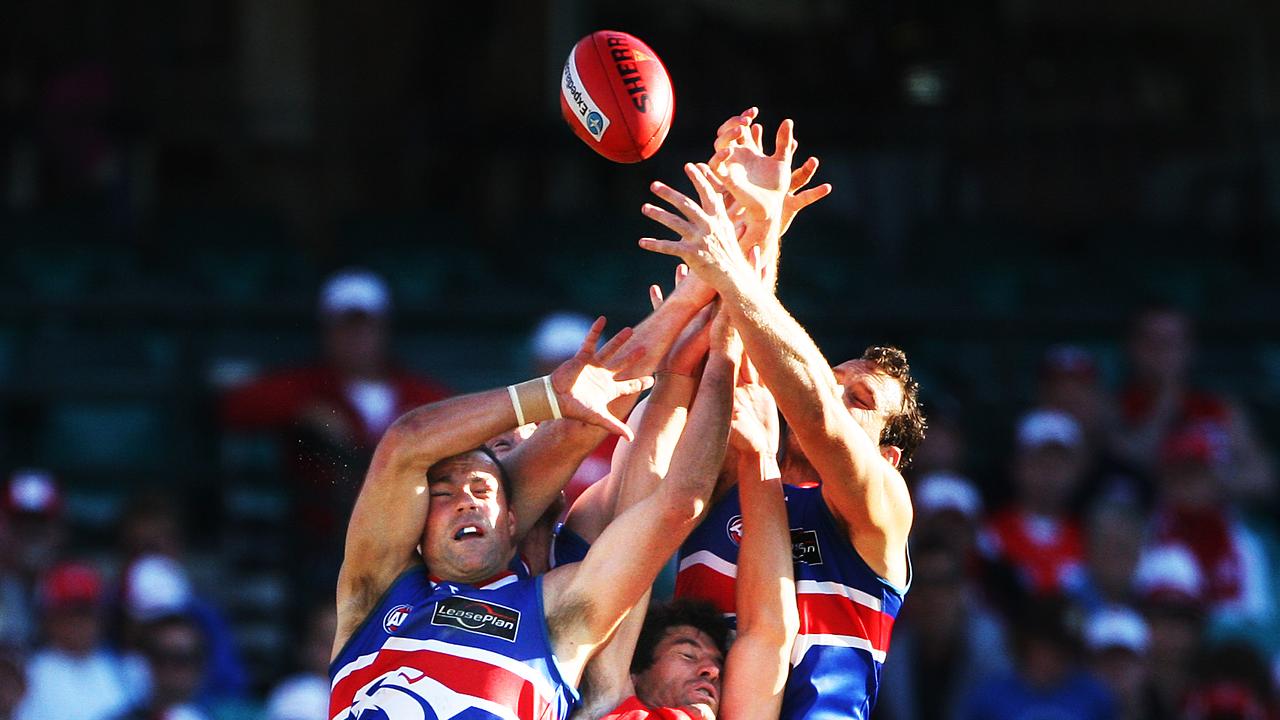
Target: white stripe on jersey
804, 642
501, 583
711, 560
816, 587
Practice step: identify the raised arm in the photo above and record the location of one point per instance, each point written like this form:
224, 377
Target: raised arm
586, 601
389, 514
768, 620
541, 466
862, 487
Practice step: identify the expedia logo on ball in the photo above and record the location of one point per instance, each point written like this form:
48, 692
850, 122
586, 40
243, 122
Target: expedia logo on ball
483, 618
804, 546
584, 108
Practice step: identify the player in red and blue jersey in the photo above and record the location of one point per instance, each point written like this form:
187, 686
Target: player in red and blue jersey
434, 620
849, 430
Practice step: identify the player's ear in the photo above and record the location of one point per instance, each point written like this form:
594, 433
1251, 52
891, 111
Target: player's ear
511, 523
892, 454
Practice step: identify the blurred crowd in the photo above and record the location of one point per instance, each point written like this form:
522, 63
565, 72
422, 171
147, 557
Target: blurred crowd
1125, 565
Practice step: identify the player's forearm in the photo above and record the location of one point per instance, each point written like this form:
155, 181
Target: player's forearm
696, 460
789, 362
766, 587
767, 235
654, 336
649, 456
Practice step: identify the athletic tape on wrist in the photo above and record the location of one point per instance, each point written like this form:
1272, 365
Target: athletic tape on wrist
515, 403
551, 397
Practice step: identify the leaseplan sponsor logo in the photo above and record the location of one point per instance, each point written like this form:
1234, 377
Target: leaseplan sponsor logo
484, 618
584, 108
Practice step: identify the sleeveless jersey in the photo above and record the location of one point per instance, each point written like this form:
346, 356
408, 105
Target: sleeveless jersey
442, 650
567, 547
846, 610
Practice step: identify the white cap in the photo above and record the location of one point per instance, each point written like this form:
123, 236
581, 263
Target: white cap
558, 337
941, 491
1169, 571
1116, 627
1043, 427
156, 586
355, 290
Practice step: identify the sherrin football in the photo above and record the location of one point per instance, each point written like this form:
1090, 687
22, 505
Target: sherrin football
616, 95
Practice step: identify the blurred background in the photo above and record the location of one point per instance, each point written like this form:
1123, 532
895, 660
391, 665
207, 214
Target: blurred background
1068, 215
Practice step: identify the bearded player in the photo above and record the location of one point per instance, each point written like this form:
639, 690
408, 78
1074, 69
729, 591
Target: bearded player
436, 617
850, 429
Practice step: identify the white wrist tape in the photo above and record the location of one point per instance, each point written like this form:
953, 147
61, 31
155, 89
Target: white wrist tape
515, 403
551, 397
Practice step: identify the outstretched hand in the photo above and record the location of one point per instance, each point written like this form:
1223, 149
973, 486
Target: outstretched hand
584, 384
708, 243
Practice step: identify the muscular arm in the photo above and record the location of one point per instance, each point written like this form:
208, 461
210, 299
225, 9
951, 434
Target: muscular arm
864, 490
768, 620
607, 677
586, 601
386, 523
541, 466
389, 514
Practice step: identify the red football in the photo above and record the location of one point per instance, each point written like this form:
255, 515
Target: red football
616, 95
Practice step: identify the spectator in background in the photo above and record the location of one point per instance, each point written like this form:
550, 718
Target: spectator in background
1070, 383
73, 677
1048, 681
1193, 512
305, 695
944, 643
331, 415
949, 507
154, 587
32, 534
174, 650
1160, 400
1117, 640
1113, 545
1036, 536
13, 684
1171, 596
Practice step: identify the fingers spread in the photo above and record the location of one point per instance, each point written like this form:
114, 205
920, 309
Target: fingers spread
593, 336
679, 200
711, 203
614, 344
665, 247
812, 195
782, 149
655, 296
803, 174
674, 222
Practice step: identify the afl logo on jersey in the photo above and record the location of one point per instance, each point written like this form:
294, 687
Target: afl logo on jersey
395, 617
734, 529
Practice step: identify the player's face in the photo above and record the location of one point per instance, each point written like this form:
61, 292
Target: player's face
469, 528
870, 395
685, 671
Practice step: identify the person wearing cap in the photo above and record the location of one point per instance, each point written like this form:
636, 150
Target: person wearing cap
1114, 533
32, 533
1171, 595
174, 648
1036, 536
73, 677
331, 414
1193, 511
1116, 639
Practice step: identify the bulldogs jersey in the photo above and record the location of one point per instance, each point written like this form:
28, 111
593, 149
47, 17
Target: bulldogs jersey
445, 650
846, 610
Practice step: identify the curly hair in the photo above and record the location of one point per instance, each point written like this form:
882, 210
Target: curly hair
905, 428
697, 614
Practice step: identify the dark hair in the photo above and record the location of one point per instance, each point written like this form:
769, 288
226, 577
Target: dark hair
905, 428
661, 617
